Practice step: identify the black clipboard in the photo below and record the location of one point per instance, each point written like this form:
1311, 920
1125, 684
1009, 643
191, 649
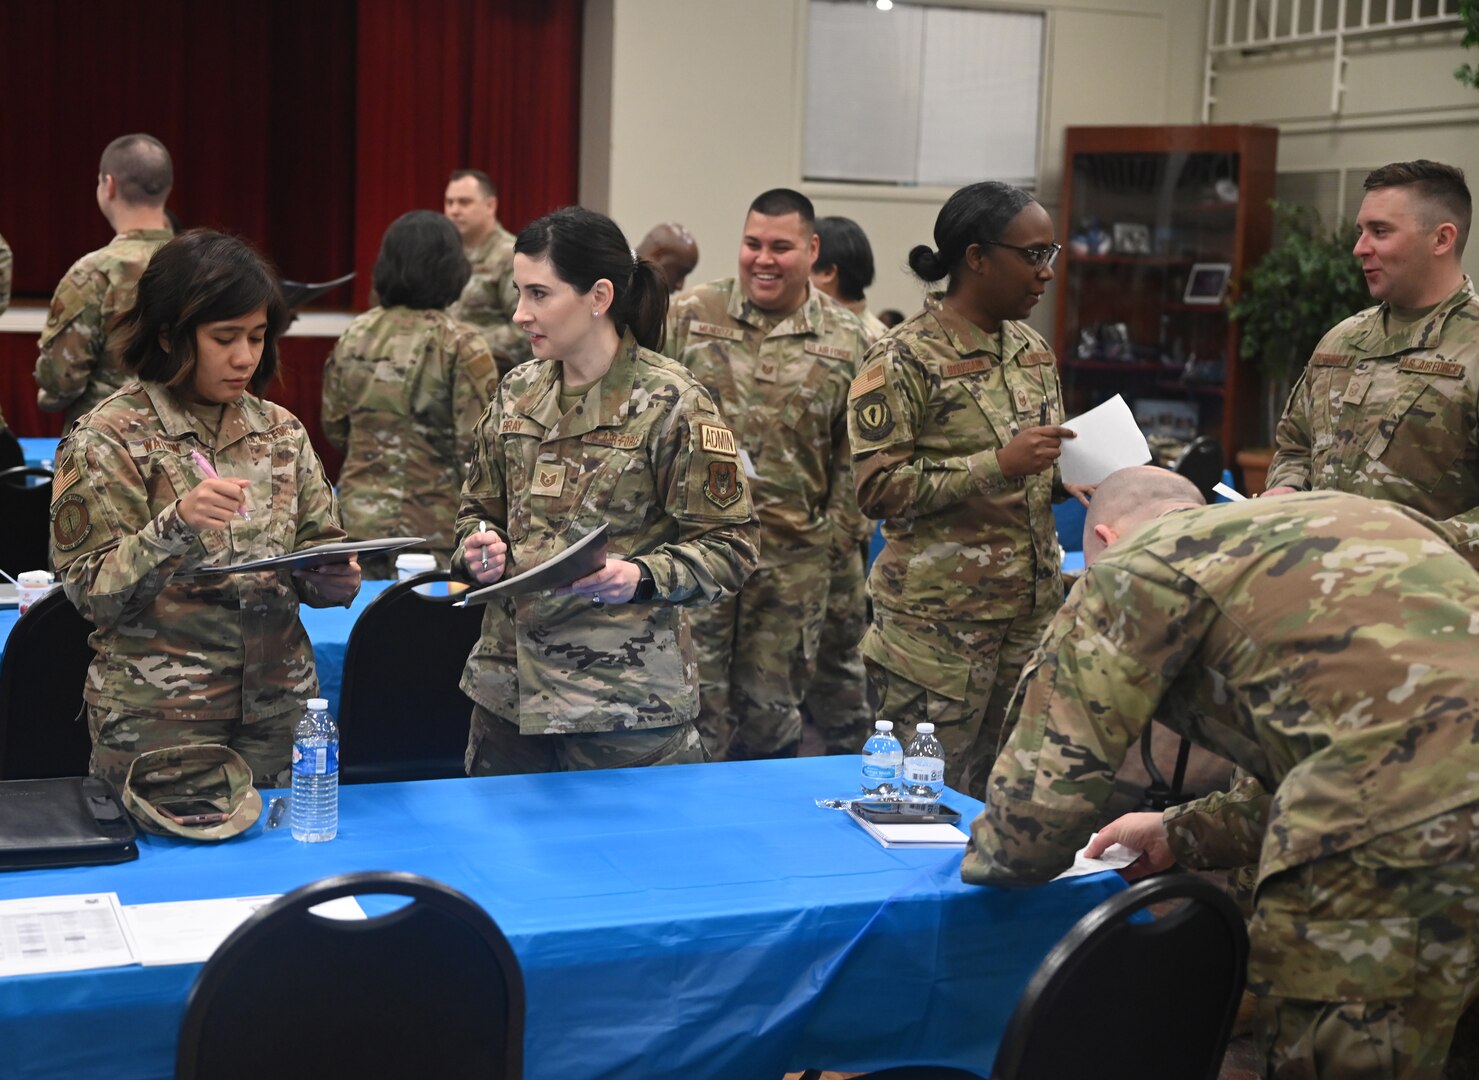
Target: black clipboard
585, 556
311, 556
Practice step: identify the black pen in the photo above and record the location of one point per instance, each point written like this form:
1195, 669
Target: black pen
1042, 413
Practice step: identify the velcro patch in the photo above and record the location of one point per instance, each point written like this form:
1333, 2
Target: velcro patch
517, 425
1331, 359
71, 522
66, 476
1427, 365
620, 440
154, 445
871, 379
831, 352
873, 417
964, 367
722, 485
1032, 359
714, 439
549, 479
728, 333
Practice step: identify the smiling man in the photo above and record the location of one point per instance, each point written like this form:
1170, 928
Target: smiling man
1389, 404
778, 357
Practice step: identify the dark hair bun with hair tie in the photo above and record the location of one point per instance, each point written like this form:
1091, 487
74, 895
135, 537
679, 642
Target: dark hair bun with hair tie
925, 263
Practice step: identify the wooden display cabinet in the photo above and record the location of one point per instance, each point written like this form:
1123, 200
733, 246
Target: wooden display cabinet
1159, 225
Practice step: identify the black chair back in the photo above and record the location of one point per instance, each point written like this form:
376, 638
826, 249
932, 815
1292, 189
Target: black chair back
401, 714
12, 454
25, 520
1153, 998
429, 989
1201, 463
42, 730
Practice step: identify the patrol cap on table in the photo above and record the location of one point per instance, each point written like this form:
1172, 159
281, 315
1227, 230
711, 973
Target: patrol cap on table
160, 782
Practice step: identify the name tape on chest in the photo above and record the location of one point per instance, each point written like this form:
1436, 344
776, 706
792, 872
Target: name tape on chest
155, 445
714, 439
517, 425
728, 333
1330, 359
1429, 365
617, 440
831, 352
964, 367
871, 379
1032, 359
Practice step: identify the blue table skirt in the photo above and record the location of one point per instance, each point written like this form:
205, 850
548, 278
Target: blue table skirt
40, 452
328, 630
703, 920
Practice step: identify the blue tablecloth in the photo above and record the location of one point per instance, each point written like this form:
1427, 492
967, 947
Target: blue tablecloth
328, 629
40, 452
702, 920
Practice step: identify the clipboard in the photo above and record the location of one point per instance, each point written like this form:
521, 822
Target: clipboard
313, 556
585, 556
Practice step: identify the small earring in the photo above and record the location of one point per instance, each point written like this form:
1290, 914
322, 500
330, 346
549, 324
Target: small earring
595, 314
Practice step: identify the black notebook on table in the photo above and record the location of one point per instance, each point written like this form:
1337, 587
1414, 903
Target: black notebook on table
68, 821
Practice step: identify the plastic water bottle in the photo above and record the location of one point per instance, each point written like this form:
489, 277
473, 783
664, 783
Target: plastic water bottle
315, 811
883, 761
924, 768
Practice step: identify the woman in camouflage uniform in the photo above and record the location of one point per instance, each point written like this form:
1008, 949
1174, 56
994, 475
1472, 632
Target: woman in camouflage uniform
598, 428
185, 467
403, 391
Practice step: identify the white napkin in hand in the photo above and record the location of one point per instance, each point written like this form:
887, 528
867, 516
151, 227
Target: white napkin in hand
1115, 857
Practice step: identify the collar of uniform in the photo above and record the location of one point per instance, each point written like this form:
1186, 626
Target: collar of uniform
483, 251
145, 234
1372, 338
237, 419
809, 318
613, 395
967, 338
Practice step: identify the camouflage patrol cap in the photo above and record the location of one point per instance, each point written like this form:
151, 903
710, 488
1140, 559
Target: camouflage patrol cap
161, 784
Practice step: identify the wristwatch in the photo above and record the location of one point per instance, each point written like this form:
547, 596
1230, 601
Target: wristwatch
645, 587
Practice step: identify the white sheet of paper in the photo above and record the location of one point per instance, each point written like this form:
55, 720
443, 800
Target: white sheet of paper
1115, 857
1230, 493
1108, 439
63, 933
747, 465
189, 931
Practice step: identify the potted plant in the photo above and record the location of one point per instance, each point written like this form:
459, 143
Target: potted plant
1308, 282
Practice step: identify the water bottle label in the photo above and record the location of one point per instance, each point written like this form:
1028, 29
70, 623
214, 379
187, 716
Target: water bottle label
881, 772
924, 770
315, 760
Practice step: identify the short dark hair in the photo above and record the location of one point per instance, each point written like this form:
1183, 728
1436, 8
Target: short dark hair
777, 202
485, 182
199, 277
142, 168
421, 264
845, 246
583, 247
973, 215
1441, 188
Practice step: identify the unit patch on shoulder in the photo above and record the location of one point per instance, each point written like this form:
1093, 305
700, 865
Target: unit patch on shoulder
71, 522
714, 439
722, 486
1426, 365
728, 333
871, 379
875, 418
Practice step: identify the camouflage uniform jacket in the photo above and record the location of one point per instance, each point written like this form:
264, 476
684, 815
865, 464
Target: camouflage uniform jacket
403, 390
873, 326
489, 299
934, 403
1392, 416
785, 394
645, 451
1324, 643
179, 648
79, 365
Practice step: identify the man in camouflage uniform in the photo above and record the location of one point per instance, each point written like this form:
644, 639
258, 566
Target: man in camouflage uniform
402, 394
79, 363
489, 298
558, 682
1388, 406
777, 356
1324, 643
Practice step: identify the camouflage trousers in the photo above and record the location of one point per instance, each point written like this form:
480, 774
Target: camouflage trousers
266, 745
958, 676
837, 700
1363, 962
495, 747
757, 653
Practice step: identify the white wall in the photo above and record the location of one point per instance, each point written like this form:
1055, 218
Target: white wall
693, 107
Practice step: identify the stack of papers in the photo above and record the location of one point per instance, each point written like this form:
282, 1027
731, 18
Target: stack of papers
911, 835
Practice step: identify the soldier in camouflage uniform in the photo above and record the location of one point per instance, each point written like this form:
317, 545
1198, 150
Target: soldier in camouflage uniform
777, 356
1324, 643
597, 430
955, 441
80, 363
1388, 406
181, 659
489, 298
402, 393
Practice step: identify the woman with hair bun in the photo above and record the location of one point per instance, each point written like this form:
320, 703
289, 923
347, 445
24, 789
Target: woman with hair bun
598, 428
954, 426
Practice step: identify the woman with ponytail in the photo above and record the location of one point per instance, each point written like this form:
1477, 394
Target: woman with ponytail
954, 426
597, 429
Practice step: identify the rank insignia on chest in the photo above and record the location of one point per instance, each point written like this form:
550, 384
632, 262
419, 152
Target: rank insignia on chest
722, 486
1355, 391
768, 371
714, 439
71, 522
1024, 406
549, 479
875, 419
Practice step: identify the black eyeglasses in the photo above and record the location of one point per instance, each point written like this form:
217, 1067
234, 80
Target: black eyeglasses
1041, 258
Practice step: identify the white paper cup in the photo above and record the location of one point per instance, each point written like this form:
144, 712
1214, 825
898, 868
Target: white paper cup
32, 586
410, 563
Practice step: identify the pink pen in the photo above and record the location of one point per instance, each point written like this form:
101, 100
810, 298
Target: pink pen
205, 467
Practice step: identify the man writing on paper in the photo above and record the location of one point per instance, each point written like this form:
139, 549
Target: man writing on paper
1324, 643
